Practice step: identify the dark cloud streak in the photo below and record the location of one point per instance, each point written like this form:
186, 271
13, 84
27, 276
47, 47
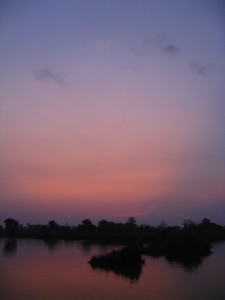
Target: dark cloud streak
45, 75
200, 69
170, 49
160, 43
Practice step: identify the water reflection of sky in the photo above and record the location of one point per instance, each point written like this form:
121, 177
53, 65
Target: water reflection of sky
34, 272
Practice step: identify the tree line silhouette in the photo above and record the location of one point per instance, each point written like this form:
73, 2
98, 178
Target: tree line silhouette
112, 232
186, 245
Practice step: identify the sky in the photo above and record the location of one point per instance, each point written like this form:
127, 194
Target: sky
111, 109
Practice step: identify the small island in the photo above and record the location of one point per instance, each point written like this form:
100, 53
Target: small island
187, 244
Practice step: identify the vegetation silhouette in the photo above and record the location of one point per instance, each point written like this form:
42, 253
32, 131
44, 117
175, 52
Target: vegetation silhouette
109, 232
126, 262
184, 249
188, 262
187, 244
11, 226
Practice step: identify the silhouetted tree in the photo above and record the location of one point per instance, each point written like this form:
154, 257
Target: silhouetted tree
189, 224
131, 224
162, 224
205, 221
131, 220
121, 233
103, 226
11, 225
87, 225
206, 224
53, 225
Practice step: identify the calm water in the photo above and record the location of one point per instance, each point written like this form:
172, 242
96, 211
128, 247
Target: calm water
32, 269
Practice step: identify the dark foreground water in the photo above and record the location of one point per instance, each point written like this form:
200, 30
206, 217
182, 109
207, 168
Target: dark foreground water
35, 270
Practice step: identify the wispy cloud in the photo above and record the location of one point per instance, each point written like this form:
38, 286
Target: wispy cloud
159, 43
45, 75
199, 68
164, 45
170, 49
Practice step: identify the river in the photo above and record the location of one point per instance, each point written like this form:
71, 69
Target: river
36, 270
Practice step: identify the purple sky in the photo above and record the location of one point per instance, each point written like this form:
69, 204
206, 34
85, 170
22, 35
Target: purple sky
111, 109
